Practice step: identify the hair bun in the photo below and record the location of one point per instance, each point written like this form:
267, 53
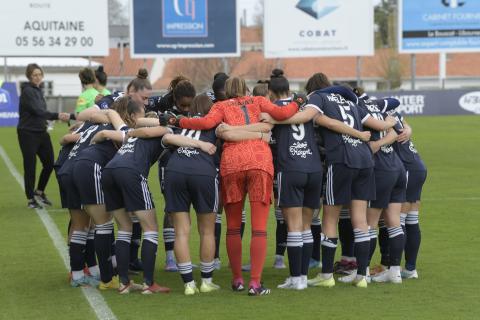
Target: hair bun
100, 69
142, 73
277, 73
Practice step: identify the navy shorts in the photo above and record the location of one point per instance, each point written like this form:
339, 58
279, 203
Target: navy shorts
183, 190
345, 184
126, 188
299, 189
391, 187
63, 191
415, 181
72, 201
87, 176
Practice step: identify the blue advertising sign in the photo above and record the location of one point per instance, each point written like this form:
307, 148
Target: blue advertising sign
439, 26
435, 102
184, 28
8, 104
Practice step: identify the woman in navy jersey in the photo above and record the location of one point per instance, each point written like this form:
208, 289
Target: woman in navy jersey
86, 175
350, 172
390, 186
191, 179
299, 176
125, 183
177, 101
416, 177
80, 221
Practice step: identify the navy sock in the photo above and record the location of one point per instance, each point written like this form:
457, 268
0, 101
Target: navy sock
294, 251
169, 238
317, 239
122, 249
307, 248
206, 269
383, 243
345, 233
373, 243
103, 248
280, 233
395, 245
218, 234
362, 250
78, 242
186, 271
136, 240
149, 255
329, 246
90, 258
412, 243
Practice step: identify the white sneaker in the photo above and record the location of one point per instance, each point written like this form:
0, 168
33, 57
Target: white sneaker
406, 274
349, 278
292, 283
304, 282
391, 275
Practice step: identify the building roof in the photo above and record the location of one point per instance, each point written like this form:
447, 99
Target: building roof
112, 66
49, 62
253, 65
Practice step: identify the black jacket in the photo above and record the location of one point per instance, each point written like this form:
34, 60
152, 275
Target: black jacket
33, 109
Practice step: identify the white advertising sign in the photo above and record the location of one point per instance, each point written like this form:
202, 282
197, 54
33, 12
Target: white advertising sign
312, 28
54, 28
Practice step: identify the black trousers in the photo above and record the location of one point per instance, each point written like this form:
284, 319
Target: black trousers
35, 144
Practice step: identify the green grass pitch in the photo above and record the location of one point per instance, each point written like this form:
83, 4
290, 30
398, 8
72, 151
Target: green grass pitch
33, 279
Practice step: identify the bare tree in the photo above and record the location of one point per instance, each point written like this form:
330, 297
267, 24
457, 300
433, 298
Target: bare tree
117, 13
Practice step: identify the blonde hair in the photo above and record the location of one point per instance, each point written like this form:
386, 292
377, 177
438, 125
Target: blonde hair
201, 104
235, 88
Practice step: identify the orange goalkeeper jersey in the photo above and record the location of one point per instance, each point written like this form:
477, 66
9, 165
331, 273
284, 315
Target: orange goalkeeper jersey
248, 154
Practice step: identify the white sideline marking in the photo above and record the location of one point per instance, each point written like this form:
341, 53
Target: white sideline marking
94, 298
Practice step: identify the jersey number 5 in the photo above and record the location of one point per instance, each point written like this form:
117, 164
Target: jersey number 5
347, 118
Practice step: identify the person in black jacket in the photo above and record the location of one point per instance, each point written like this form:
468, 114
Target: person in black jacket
33, 136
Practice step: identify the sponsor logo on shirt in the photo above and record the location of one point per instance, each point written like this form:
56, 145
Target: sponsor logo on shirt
188, 152
300, 149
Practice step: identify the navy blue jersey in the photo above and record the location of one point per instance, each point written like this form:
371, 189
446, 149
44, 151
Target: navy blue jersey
386, 158
85, 137
406, 151
65, 150
153, 104
102, 152
137, 154
342, 148
296, 147
107, 101
192, 160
